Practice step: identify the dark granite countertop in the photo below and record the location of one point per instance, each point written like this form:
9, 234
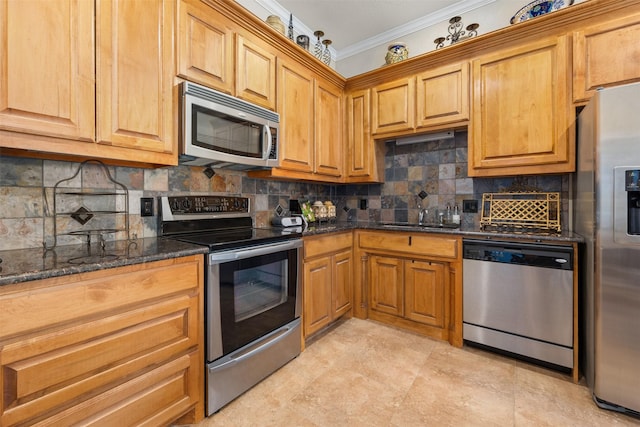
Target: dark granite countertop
32, 264
23, 265
472, 233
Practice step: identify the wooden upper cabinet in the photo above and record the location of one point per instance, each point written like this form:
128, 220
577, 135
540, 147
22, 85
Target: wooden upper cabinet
521, 118
47, 83
80, 72
205, 46
363, 159
296, 108
255, 73
135, 74
329, 149
443, 95
393, 106
606, 54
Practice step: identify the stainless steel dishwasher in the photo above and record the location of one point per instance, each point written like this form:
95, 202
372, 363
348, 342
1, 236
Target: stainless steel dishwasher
518, 297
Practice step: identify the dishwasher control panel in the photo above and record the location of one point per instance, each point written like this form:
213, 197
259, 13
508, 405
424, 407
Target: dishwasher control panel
531, 254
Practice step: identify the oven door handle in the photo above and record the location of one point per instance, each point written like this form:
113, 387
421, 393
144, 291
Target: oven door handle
232, 255
256, 347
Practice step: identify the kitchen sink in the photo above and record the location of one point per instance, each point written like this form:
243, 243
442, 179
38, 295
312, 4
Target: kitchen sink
411, 225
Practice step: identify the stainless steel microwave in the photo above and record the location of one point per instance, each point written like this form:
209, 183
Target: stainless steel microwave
221, 131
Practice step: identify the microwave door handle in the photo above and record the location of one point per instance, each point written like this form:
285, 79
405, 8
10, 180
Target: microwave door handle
267, 134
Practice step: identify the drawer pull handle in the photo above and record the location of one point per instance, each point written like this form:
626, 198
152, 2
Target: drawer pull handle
410, 240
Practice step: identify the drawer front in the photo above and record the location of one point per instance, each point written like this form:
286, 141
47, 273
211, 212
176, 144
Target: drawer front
45, 372
410, 243
68, 298
314, 246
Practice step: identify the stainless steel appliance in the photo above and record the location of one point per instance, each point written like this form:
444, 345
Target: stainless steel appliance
225, 132
607, 215
518, 297
252, 291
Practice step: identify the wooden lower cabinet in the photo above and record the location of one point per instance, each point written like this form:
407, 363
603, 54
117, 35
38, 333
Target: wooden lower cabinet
121, 346
327, 280
411, 280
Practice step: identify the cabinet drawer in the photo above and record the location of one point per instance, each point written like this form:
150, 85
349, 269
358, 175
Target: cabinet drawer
320, 245
67, 298
45, 372
414, 244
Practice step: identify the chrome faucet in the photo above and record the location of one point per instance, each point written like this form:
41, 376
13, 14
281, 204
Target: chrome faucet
423, 213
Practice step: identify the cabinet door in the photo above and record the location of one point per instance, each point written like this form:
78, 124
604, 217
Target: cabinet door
606, 55
393, 107
425, 292
317, 294
205, 52
521, 111
328, 130
255, 73
386, 285
360, 162
443, 96
342, 283
134, 74
295, 105
47, 83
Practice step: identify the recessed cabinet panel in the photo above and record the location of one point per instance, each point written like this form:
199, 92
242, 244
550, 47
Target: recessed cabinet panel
443, 95
134, 69
606, 55
47, 83
360, 143
205, 47
328, 131
255, 73
521, 111
425, 300
296, 108
386, 285
393, 106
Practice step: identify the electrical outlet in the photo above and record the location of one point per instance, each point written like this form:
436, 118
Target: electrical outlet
146, 206
363, 204
470, 206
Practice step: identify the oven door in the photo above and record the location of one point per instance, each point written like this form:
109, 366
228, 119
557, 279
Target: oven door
251, 292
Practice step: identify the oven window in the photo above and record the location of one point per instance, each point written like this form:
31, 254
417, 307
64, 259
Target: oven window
224, 133
259, 289
257, 296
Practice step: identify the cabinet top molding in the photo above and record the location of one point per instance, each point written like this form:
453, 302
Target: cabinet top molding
563, 21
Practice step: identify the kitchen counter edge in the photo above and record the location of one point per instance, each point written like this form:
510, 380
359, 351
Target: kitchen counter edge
23, 265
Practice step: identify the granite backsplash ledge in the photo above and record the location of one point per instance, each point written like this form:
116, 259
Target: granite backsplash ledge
438, 168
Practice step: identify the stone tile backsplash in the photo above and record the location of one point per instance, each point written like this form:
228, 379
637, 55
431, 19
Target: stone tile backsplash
439, 168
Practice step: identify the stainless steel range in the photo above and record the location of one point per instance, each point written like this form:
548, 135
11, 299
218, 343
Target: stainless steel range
252, 290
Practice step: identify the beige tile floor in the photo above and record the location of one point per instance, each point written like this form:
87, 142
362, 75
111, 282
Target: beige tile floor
363, 373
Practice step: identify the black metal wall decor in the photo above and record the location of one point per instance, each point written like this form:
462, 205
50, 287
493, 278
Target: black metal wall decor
457, 32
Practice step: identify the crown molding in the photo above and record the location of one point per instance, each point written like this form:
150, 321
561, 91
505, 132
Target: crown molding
275, 8
412, 26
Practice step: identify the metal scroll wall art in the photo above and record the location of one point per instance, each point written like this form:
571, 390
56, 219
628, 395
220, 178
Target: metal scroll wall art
457, 32
89, 212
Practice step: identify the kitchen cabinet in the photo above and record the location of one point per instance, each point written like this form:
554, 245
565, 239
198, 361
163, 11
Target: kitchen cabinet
606, 54
522, 118
205, 46
411, 280
101, 88
111, 347
443, 96
365, 156
393, 106
311, 127
214, 51
327, 281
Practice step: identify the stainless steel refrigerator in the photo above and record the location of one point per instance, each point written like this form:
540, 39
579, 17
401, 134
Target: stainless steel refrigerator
607, 214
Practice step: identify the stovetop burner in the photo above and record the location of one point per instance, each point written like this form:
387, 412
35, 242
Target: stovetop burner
219, 222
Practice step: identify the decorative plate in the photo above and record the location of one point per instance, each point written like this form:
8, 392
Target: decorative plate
539, 7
